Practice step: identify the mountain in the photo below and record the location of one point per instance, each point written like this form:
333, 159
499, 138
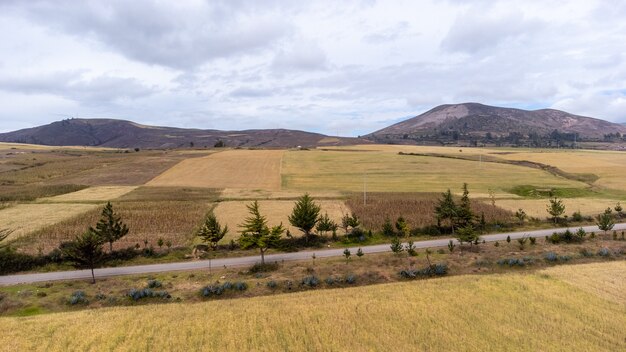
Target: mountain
127, 134
473, 121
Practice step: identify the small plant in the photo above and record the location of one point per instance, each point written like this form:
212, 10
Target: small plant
137, 295
272, 284
396, 245
240, 286
532, 240
577, 216
551, 257
508, 239
160, 242
347, 254
581, 233
522, 242
263, 268
351, 279
586, 253
429, 271
410, 249
604, 252
614, 235
168, 244
593, 234
440, 251
359, 253
451, 246
211, 290
78, 297
154, 284
310, 281
497, 244
329, 281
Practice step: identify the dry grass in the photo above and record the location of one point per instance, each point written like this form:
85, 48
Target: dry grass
277, 211
26, 218
604, 280
469, 313
32, 192
246, 194
418, 209
153, 193
537, 207
249, 169
92, 194
171, 220
386, 171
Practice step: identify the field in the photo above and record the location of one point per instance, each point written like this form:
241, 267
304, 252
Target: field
91, 194
537, 207
233, 213
522, 312
249, 169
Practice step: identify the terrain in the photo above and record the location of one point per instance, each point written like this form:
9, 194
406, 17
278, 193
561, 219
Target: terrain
473, 123
127, 134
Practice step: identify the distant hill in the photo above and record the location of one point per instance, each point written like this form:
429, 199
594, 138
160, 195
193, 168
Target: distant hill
127, 134
473, 123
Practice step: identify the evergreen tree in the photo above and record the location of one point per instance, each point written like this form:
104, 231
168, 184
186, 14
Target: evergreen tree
359, 253
520, 214
605, 221
467, 234
555, 208
464, 211
211, 231
402, 227
325, 224
110, 227
618, 209
85, 251
349, 221
396, 245
256, 234
305, 214
447, 209
387, 228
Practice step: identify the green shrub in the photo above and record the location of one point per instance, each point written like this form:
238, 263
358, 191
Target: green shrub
429, 271
272, 284
78, 297
154, 284
310, 281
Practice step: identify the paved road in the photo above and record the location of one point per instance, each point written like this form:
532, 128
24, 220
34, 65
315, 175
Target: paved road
248, 261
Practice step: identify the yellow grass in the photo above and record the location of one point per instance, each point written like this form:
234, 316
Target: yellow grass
22, 146
277, 211
248, 169
26, 218
92, 194
601, 279
537, 207
509, 312
386, 171
245, 194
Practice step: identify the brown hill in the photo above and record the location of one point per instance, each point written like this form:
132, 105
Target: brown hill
473, 120
127, 134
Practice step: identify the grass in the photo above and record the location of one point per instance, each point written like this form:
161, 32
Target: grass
537, 207
11, 193
386, 171
418, 209
97, 194
472, 313
154, 193
250, 169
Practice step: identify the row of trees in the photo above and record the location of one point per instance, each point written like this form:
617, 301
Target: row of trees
460, 217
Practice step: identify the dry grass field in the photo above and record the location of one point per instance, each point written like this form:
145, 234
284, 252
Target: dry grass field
604, 280
92, 194
521, 312
249, 169
26, 218
233, 213
386, 171
537, 207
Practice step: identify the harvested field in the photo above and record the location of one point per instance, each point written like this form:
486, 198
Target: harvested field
251, 194
153, 193
26, 218
31, 192
248, 169
537, 207
604, 280
383, 171
418, 209
92, 194
175, 221
277, 211
506, 312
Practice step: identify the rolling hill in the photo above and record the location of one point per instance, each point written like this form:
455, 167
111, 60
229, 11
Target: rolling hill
127, 134
473, 121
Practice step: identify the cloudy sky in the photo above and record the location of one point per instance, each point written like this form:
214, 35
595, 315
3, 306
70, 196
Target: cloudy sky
347, 67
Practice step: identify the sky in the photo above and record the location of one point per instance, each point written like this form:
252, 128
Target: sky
336, 67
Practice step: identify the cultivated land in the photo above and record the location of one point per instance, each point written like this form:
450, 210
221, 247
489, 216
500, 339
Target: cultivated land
537, 311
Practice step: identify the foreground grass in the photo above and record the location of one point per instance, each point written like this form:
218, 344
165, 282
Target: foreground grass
529, 312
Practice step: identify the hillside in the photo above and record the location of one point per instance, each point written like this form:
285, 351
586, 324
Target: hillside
127, 134
477, 122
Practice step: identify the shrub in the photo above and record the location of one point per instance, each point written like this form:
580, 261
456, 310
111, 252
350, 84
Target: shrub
263, 268
451, 246
101, 296
351, 279
567, 237
532, 240
136, 294
329, 281
511, 262
272, 284
604, 252
211, 290
154, 284
78, 297
577, 216
241, 286
551, 257
586, 253
429, 271
227, 285
310, 281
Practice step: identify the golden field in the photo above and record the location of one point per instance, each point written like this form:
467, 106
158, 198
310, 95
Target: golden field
537, 207
91, 194
521, 312
250, 169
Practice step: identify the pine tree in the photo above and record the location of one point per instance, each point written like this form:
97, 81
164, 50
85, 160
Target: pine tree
110, 227
211, 231
256, 234
85, 251
305, 214
396, 245
618, 209
325, 224
402, 227
555, 208
464, 211
387, 228
467, 234
359, 253
447, 209
605, 221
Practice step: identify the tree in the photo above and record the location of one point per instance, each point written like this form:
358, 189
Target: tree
520, 214
347, 254
85, 251
325, 224
396, 245
555, 208
219, 144
256, 234
349, 221
605, 221
359, 253
402, 227
467, 234
4, 234
464, 211
305, 214
618, 209
110, 227
447, 209
211, 231
388, 228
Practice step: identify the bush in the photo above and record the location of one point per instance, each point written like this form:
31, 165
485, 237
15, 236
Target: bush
136, 294
263, 268
511, 262
78, 297
551, 257
586, 253
154, 284
211, 290
604, 252
429, 271
351, 279
241, 286
272, 284
101, 297
566, 237
310, 281
329, 281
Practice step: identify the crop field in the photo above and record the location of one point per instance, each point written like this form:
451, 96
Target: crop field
233, 213
92, 194
601, 279
417, 209
537, 207
386, 171
526, 312
249, 169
